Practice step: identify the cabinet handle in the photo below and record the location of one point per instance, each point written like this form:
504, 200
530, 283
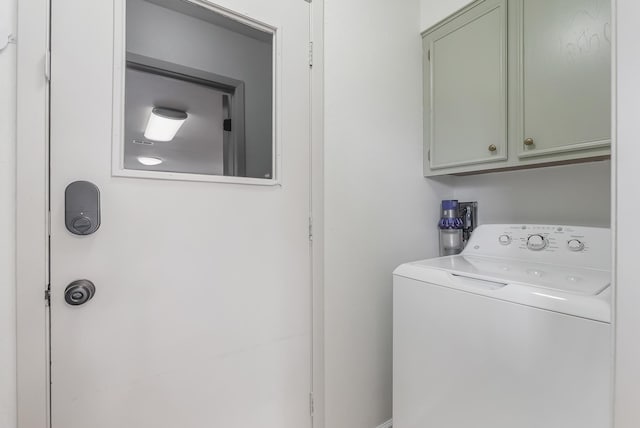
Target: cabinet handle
492, 148
528, 142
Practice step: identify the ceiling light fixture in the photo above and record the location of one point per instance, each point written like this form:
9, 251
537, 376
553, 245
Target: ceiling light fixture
148, 161
164, 123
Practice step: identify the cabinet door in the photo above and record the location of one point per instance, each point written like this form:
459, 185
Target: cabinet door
565, 76
465, 88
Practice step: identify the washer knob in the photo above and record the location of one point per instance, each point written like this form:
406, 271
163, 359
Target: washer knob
536, 242
575, 245
504, 239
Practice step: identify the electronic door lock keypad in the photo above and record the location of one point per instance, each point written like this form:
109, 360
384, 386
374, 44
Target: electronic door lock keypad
82, 208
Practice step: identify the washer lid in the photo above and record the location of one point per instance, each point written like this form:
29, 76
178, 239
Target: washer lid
565, 289
563, 278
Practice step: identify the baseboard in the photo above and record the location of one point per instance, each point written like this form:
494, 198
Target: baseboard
385, 425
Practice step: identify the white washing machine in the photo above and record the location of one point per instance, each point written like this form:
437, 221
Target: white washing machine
515, 332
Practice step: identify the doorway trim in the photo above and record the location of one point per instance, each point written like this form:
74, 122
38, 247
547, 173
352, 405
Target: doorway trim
317, 211
32, 214
32, 207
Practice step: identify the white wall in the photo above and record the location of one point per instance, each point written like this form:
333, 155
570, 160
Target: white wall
432, 11
379, 210
568, 194
627, 206
7, 217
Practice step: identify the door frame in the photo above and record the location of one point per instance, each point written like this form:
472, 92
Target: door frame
33, 219
32, 208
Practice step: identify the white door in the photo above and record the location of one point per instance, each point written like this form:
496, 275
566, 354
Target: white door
202, 311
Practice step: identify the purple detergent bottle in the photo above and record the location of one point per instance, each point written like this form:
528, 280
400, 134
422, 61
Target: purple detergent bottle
450, 226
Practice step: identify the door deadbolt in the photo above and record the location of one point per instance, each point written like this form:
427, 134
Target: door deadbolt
82, 208
79, 292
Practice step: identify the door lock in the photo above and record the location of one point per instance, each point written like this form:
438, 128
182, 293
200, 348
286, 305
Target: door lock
79, 292
82, 208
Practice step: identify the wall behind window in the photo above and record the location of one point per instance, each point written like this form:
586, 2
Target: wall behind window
196, 43
7, 218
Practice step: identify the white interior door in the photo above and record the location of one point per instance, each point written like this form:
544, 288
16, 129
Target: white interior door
202, 310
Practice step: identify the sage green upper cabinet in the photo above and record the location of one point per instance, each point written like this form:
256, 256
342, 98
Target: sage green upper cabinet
465, 65
513, 84
564, 81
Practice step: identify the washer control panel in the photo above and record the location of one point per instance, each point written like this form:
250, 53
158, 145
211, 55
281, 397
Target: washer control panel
588, 246
538, 238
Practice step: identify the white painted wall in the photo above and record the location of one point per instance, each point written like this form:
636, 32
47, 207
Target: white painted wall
568, 194
379, 209
627, 206
7, 217
432, 11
